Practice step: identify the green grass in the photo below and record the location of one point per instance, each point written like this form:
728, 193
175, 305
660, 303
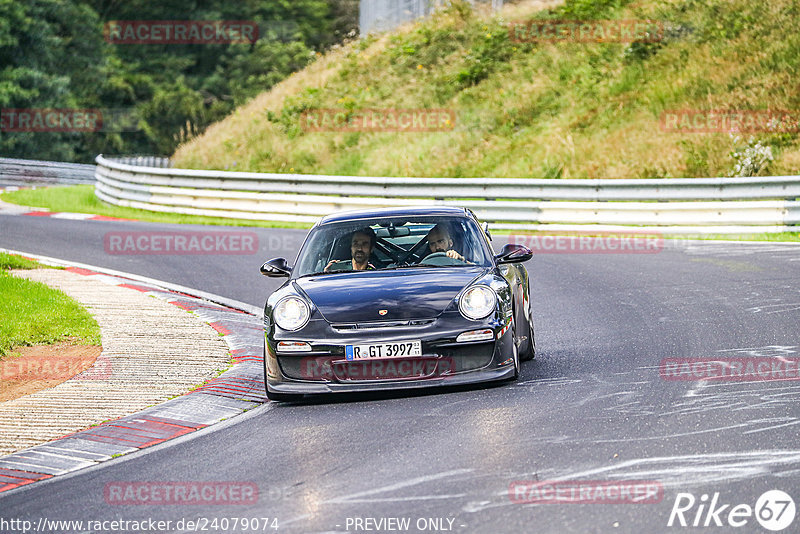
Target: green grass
32, 313
12, 261
81, 199
556, 110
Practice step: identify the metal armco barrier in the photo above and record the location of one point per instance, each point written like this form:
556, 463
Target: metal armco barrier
678, 206
24, 173
144, 161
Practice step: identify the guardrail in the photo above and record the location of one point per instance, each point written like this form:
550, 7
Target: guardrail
678, 206
145, 161
25, 173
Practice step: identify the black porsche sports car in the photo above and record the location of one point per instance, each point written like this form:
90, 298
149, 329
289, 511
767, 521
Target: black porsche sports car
396, 298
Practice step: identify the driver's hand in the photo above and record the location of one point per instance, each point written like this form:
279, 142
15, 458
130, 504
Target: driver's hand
455, 255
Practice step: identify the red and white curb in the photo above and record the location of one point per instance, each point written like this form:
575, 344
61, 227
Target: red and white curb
72, 216
236, 391
15, 209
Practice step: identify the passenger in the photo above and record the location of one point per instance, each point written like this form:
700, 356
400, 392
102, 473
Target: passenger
361, 244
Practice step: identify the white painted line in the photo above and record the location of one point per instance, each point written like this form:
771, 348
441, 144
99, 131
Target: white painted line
73, 216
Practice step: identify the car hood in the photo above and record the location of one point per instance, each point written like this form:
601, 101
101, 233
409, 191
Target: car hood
404, 293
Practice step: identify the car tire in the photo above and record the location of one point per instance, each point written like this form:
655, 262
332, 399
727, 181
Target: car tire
517, 366
530, 346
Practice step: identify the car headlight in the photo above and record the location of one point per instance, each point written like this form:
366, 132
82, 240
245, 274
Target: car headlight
291, 313
477, 302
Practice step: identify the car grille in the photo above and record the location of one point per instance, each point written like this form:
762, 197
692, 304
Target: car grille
381, 324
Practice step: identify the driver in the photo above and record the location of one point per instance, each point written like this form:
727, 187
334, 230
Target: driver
361, 244
439, 240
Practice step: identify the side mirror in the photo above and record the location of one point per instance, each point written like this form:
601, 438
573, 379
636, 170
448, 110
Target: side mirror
276, 268
513, 254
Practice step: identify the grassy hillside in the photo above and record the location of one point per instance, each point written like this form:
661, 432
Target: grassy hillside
566, 109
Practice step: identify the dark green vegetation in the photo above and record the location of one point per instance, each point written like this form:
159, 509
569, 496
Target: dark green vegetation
53, 54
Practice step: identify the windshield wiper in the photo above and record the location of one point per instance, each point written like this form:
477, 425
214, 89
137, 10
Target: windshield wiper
326, 272
414, 266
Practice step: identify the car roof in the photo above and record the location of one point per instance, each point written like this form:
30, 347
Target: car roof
411, 211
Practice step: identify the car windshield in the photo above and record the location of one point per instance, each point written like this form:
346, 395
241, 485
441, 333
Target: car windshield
393, 243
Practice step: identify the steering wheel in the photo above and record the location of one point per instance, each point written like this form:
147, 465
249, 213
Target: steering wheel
440, 259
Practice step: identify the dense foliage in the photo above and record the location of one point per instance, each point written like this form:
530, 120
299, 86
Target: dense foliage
54, 55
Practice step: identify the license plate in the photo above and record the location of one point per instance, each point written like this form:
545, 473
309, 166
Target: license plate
400, 349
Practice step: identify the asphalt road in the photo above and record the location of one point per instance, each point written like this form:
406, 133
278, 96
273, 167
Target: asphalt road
592, 406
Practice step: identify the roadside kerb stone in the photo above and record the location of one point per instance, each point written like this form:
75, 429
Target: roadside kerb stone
234, 392
151, 351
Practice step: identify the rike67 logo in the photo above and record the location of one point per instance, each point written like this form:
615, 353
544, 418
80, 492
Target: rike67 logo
774, 510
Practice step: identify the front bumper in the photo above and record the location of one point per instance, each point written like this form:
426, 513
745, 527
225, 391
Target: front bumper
310, 388
444, 361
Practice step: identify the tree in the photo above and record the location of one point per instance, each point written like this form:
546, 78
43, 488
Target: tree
53, 54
